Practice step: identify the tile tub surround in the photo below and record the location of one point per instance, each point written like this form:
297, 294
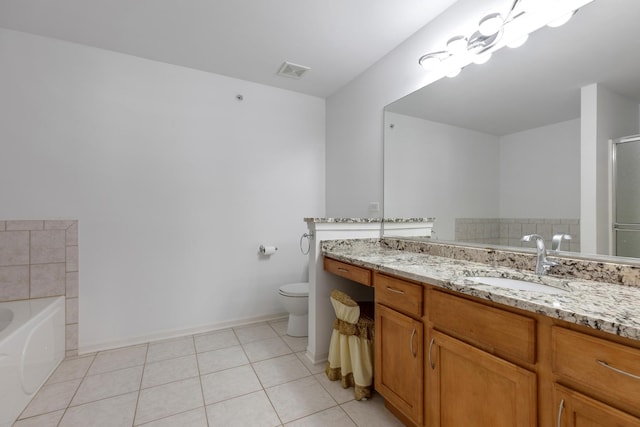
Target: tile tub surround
38, 259
509, 231
609, 307
231, 377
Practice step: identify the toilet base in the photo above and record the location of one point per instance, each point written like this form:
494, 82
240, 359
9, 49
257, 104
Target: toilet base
298, 325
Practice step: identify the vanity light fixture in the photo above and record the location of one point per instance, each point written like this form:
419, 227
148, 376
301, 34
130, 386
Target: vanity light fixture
478, 45
477, 48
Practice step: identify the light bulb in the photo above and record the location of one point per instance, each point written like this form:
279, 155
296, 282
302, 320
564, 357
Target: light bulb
430, 61
490, 24
482, 58
518, 42
561, 20
457, 44
453, 72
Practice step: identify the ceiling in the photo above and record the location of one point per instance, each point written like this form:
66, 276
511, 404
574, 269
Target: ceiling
245, 39
539, 83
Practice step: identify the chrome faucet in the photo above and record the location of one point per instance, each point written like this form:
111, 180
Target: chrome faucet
542, 264
557, 241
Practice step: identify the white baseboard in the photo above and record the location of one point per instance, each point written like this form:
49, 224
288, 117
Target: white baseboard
317, 358
176, 333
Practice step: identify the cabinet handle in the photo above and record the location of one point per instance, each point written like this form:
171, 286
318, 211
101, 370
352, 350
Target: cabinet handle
620, 371
395, 291
413, 335
430, 347
560, 409
344, 270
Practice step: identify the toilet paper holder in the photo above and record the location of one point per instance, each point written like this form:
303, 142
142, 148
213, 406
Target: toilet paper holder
267, 250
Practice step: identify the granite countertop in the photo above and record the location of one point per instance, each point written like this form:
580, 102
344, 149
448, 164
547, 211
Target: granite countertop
608, 307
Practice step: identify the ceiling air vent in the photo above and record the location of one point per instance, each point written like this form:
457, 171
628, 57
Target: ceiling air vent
294, 71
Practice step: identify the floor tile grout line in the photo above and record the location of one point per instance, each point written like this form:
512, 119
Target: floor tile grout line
66, 408
169, 382
337, 405
204, 402
264, 390
135, 410
168, 416
168, 359
87, 375
347, 414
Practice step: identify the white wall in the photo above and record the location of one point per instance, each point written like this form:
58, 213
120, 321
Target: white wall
540, 172
175, 183
451, 173
605, 115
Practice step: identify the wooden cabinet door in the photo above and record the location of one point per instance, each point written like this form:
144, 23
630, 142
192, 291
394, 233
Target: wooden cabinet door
574, 409
399, 361
469, 387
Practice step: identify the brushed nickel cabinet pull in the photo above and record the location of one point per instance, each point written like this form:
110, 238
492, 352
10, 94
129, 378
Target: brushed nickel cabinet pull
395, 290
430, 347
620, 371
560, 409
413, 335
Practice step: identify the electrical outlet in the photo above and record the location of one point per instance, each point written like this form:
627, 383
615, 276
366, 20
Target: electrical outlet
374, 209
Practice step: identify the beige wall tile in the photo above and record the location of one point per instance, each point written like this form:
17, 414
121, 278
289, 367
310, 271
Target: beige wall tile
72, 337
14, 283
51, 247
25, 225
14, 248
72, 234
48, 246
58, 224
72, 258
48, 280
72, 285
72, 310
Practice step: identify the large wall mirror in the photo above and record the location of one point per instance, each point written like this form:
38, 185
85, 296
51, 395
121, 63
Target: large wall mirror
497, 152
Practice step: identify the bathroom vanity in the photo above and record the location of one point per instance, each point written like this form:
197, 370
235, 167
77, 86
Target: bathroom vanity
450, 351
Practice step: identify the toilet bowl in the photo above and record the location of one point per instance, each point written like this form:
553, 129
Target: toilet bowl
295, 299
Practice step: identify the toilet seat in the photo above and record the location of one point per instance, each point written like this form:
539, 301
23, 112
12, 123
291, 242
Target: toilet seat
295, 290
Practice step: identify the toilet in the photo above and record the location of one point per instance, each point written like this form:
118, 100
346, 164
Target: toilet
295, 299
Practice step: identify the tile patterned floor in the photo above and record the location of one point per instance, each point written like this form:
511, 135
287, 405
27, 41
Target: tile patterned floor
248, 376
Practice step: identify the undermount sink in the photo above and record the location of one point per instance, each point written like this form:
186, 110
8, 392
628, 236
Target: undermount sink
516, 284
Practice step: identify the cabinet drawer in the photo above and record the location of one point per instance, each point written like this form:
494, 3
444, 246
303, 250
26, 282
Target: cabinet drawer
399, 294
497, 331
349, 271
610, 369
579, 410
